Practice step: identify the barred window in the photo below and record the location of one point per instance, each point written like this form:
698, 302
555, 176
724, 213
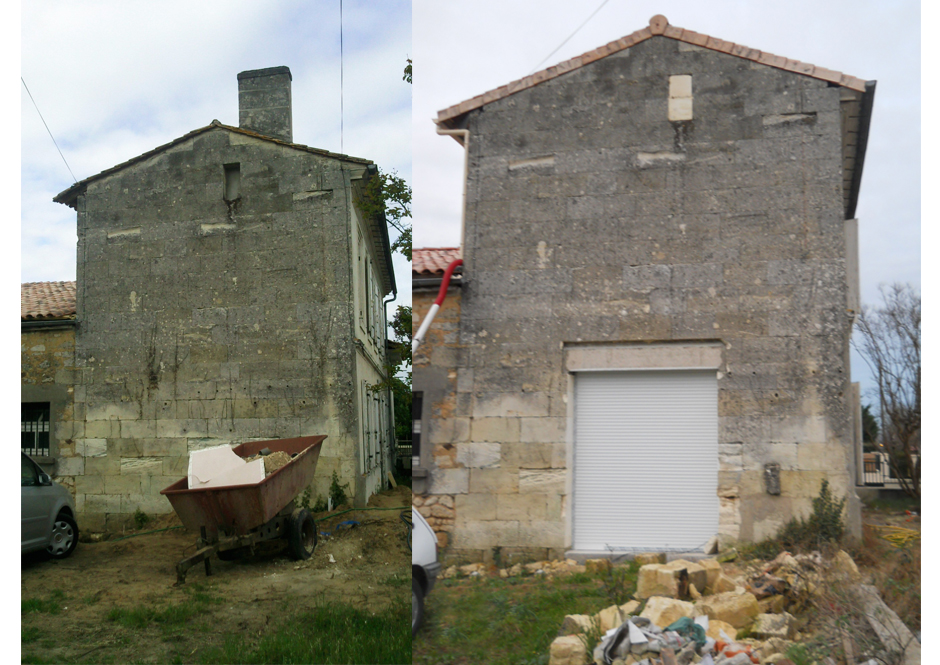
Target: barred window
34, 428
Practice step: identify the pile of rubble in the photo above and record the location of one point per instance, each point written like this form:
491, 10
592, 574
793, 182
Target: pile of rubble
694, 613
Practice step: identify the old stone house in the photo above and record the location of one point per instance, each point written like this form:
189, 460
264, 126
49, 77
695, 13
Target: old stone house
659, 286
229, 289
47, 354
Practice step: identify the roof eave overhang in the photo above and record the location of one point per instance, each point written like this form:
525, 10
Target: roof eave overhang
70, 196
454, 117
46, 324
864, 124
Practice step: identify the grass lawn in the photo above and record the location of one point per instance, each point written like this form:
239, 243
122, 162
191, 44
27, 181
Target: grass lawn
510, 620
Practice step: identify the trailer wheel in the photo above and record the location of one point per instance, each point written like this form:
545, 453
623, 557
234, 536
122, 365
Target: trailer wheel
302, 534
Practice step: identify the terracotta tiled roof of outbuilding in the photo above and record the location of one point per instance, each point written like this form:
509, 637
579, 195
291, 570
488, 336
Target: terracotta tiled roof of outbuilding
46, 301
659, 25
430, 261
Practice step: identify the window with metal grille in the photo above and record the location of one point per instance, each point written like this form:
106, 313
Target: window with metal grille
34, 428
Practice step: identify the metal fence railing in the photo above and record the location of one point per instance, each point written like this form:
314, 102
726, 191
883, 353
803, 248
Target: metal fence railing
877, 471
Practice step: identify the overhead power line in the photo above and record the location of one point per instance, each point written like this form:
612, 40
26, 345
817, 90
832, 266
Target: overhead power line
74, 179
569, 37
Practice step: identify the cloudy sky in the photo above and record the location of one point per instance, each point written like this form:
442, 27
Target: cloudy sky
460, 54
114, 79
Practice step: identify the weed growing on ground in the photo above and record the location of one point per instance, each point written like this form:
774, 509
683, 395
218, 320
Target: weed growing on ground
592, 637
620, 582
825, 526
464, 618
140, 519
50, 606
337, 491
320, 506
895, 572
29, 634
334, 633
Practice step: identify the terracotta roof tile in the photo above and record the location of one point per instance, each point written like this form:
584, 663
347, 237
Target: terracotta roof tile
43, 301
659, 25
431, 261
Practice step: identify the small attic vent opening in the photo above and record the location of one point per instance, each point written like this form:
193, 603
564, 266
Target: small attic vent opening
233, 177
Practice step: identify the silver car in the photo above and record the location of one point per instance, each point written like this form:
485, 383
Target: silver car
47, 512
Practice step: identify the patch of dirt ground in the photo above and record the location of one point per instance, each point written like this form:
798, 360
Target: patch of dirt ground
365, 565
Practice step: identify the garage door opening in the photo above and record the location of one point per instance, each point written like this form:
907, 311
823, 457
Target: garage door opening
645, 460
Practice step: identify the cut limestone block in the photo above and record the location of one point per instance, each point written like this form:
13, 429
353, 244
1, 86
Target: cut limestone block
723, 585
597, 566
670, 579
567, 650
712, 573
738, 609
843, 564
774, 625
773, 604
665, 611
650, 557
630, 607
575, 624
715, 628
608, 618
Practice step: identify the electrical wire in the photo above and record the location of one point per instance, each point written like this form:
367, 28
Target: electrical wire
74, 179
569, 37
341, 77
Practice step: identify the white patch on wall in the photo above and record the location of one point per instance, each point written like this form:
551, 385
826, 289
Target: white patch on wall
135, 301
545, 254
124, 233
534, 162
680, 98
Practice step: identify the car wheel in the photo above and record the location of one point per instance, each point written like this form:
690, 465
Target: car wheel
417, 606
302, 534
64, 537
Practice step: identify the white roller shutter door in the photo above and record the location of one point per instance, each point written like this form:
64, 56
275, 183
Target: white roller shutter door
645, 460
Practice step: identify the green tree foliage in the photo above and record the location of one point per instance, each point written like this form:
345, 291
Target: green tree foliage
389, 195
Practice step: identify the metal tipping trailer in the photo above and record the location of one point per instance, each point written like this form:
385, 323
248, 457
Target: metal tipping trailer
241, 519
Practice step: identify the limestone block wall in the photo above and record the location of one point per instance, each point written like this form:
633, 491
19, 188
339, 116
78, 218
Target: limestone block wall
206, 321
592, 216
47, 358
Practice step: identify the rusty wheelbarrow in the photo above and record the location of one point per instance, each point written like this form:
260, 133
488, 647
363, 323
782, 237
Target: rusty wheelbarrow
240, 519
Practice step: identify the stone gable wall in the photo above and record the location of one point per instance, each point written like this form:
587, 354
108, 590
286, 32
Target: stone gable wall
206, 322
594, 217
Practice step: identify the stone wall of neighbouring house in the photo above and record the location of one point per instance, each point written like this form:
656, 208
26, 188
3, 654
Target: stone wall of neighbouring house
445, 400
47, 357
208, 322
593, 217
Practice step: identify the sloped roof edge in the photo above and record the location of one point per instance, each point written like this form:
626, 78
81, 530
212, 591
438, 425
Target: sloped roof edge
69, 196
47, 301
659, 26
432, 261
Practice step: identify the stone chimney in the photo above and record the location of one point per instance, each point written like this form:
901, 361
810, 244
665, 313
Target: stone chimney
264, 102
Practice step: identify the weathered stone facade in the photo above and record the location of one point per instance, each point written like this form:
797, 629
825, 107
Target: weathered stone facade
229, 289
47, 352
662, 204
443, 405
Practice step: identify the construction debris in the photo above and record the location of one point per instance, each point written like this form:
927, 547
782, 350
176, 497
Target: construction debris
676, 628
